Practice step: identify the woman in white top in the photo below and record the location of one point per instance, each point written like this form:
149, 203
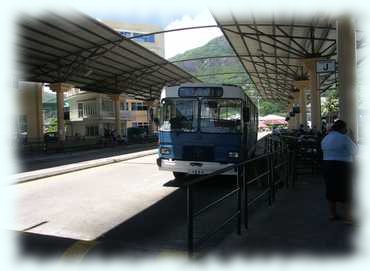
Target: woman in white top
338, 150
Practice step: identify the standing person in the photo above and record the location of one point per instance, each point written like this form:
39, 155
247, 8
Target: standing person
324, 129
338, 150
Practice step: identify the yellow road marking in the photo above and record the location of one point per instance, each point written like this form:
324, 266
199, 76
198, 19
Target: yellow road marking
78, 250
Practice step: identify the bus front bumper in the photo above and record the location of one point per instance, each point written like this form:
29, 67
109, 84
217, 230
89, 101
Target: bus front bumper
193, 167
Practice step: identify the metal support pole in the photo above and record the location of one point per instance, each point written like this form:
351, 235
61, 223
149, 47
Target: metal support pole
60, 114
239, 195
190, 220
269, 179
59, 89
302, 106
272, 164
117, 114
287, 166
266, 144
294, 169
315, 94
245, 186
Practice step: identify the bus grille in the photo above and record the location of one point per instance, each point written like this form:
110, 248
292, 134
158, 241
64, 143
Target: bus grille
198, 153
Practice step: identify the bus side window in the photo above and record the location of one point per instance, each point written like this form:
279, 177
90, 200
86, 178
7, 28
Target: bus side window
246, 114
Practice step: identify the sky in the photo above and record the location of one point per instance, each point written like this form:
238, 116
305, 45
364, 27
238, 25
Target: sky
175, 42
181, 41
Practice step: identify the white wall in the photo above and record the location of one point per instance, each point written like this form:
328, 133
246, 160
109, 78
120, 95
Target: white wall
30, 105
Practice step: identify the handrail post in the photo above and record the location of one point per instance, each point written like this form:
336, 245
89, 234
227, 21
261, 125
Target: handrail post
190, 220
290, 167
272, 165
270, 144
269, 179
294, 167
287, 157
245, 187
239, 195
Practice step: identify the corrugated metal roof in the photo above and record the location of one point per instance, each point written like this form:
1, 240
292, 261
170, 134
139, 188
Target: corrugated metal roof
80, 50
272, 49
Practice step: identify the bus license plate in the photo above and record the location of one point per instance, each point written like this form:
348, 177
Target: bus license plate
196, 171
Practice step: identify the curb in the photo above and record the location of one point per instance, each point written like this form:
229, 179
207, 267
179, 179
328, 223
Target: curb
57, 156
18, 178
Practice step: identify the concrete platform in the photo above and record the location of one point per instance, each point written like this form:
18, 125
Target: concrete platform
143, 212
296, 224
88, 162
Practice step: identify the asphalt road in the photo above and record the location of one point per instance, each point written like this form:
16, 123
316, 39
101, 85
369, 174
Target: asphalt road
100, 198
128, 207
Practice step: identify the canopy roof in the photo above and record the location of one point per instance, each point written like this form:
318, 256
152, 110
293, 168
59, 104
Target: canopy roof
79, 50
271, 117
272, 50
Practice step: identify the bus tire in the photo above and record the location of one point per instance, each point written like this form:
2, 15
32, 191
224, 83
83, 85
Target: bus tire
179, 175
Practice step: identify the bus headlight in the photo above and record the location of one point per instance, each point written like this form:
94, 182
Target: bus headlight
233, 155
165, 150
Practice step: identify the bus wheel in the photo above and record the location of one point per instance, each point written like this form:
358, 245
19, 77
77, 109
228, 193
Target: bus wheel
179, 175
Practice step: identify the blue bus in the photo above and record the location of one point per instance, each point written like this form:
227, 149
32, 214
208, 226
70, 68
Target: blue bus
205, 127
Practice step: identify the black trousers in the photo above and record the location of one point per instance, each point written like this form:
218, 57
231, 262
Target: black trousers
338, 180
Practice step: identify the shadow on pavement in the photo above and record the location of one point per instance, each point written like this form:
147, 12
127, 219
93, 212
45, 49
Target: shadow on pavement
296, 224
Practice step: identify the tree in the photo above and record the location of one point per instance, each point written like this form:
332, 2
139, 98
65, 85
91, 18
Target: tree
268, 107
331, 105
53, 126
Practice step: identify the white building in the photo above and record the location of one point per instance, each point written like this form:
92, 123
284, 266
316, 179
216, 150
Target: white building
92, 113
154, 42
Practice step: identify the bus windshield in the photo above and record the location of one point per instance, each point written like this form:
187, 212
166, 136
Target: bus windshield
179, 115
220, 116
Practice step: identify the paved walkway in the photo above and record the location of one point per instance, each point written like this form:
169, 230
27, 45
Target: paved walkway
66, 163
47, 160
297, 223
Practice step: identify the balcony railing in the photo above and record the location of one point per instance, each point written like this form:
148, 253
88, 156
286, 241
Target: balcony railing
125, 115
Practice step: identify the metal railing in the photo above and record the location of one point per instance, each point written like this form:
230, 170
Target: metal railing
306, 154
276, 169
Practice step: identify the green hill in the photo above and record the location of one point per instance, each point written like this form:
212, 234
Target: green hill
216, 47
224, 67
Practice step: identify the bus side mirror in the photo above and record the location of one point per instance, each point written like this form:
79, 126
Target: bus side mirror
246, 114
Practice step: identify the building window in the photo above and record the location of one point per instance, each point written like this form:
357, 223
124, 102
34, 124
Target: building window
92, 130
124, 106
80, 110
126, 34
140, 124
148, 38
133, 106
139, 106
89, 109
107, 105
